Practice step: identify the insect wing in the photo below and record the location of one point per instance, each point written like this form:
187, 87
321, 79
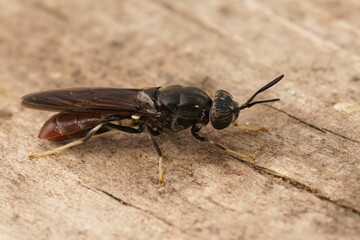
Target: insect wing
93, 100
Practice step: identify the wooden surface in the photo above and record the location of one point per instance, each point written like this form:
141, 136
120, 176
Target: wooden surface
304, 182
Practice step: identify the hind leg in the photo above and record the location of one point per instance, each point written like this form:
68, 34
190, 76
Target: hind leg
69, 145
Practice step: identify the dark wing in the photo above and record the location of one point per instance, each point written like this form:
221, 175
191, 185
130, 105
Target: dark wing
117, 101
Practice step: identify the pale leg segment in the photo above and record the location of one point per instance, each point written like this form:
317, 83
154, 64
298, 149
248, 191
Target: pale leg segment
250, 128
232, 152
194, 132
69, 145
158, 150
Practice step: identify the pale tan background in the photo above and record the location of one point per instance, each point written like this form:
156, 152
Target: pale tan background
304, 182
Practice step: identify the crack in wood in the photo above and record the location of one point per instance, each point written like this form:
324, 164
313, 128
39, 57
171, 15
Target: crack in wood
50, 11
291, 182
221, 205
136, 207
340, 135
191, 18
296, 118
150, 213
323, 130
125, 203
185, 199
122, 202
285, 179
117, 198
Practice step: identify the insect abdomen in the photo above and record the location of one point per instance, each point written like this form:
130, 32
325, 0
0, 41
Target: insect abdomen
66, 126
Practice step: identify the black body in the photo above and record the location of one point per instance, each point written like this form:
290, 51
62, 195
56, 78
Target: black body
154, 110
165, 109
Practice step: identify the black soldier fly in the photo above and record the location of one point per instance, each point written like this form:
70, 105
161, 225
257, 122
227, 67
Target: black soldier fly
85, 112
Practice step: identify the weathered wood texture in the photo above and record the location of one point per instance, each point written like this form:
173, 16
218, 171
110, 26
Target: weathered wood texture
304, 183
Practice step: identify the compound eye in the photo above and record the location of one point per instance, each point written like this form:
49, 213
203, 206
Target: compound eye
222, 110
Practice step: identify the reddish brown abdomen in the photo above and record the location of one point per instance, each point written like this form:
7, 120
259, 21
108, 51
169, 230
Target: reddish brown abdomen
65, 126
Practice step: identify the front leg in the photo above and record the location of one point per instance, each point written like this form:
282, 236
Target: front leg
196, 128
194, 131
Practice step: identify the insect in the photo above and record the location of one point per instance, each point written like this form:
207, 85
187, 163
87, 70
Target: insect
85, 112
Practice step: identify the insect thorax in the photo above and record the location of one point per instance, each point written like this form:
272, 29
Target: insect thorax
180, 108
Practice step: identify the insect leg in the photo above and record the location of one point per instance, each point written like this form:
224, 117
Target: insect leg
194, 131
123, 128
250, 128
158, 150
69, 145
151, 134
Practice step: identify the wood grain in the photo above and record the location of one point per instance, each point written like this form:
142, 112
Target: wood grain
304, 182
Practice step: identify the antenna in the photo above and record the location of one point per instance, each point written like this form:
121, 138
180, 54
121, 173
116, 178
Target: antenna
249, 102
